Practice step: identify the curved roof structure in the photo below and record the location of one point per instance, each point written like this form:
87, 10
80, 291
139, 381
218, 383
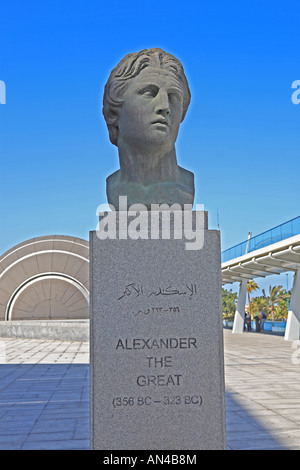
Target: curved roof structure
45, 278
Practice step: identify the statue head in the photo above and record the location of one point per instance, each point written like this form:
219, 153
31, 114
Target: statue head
127, 69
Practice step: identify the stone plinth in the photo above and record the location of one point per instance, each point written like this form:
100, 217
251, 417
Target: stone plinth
157, 378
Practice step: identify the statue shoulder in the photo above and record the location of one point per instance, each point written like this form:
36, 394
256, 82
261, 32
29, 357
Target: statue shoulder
186, 177
113, 180
112, 188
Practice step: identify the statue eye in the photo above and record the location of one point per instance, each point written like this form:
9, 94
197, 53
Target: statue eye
174, 97
149, 92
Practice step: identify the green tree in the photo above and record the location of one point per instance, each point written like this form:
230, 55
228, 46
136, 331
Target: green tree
259, 304
251, 287
281, 310
276, 295
229, 300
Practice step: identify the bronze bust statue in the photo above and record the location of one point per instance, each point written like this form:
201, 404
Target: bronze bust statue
145, 99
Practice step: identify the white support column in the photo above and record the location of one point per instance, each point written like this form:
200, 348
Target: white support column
292, 330
239, 318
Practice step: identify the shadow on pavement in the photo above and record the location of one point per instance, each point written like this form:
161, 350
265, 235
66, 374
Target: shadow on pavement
44, 406
245, 431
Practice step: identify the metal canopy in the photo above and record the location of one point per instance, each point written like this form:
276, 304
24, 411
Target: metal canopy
272, 259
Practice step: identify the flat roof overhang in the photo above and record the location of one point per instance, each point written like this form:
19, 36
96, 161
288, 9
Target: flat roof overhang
277, 258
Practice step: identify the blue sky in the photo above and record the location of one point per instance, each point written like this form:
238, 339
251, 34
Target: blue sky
240, 137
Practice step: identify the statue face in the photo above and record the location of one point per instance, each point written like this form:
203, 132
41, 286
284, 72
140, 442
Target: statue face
152, 111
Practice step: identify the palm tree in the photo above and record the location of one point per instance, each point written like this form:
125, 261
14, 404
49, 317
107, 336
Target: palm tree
276, 294
251, 287
259, 304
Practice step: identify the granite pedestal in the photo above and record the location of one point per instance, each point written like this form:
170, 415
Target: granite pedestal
157, 378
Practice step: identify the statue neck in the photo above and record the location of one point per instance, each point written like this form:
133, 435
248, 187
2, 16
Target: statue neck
148, 167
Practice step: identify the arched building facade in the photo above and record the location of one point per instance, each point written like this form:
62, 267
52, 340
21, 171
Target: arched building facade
45, 278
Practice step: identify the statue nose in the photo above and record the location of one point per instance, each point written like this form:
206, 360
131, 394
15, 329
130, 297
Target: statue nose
162, 104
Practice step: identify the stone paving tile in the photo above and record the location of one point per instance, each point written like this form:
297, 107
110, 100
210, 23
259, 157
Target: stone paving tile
61, 444
44, 393
44, 401
263, 380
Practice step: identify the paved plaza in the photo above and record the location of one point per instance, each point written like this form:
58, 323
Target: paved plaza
262, 379
44, 393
